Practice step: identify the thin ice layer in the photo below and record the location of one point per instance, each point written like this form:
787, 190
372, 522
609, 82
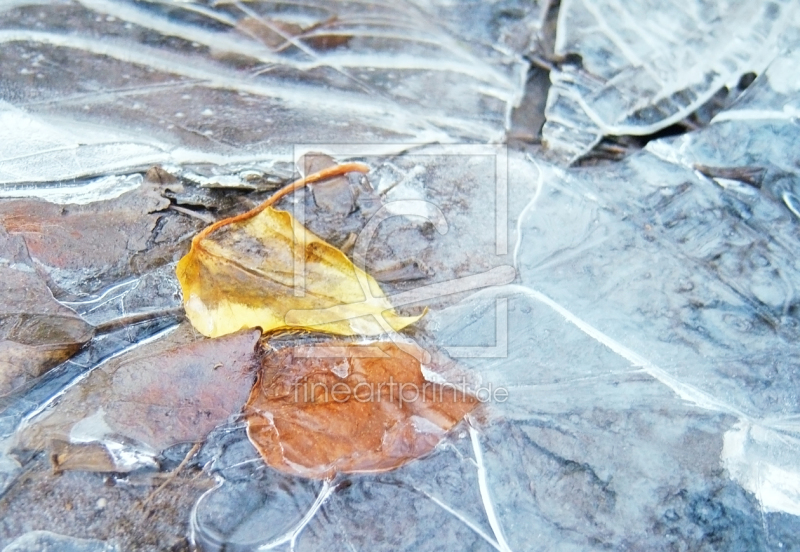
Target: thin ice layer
186, 82
439, 497
34, 541
753, 144
646, 65
750, 153
684, 272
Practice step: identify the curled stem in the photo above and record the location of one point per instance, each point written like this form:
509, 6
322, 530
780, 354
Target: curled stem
324, 174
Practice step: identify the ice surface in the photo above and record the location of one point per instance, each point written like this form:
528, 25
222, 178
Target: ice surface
646, 354
757, 132
646, 65
687, 283
79, 193
45, 541
245, 81
439, 498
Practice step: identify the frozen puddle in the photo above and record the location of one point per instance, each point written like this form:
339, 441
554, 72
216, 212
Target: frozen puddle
630, 329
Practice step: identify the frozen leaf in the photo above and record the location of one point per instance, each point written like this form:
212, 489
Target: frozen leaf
31, 343
252, 270
182, 394
344, 407
93, 457
176, 390
83, 248
36, 332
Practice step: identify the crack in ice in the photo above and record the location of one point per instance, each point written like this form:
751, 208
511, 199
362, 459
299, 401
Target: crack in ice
483, 485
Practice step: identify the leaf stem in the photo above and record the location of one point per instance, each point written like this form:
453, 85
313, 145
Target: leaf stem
324, 174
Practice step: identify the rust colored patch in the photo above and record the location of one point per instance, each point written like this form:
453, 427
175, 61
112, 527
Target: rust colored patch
316, 410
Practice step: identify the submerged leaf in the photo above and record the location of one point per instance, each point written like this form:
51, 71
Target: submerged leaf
175, 390
251, 270
36, 331
81, 249
181, 394
344, 407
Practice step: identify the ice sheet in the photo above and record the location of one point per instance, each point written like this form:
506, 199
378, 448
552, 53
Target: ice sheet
646, 354
43, 541
686, 273
647, 65
180, 82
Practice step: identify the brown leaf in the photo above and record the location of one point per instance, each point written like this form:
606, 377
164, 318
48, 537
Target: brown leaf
183, 393
83, 248
33, 343
36, 332
344, 407
273, 33
174, 390
65, 456
278, 35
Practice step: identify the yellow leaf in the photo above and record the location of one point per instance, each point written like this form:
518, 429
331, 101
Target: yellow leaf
251, 270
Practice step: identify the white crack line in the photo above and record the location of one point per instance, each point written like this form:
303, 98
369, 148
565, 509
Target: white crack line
291, 535
483, 485
465, 521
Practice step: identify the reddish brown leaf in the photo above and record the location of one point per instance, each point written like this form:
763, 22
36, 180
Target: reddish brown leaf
182, 394
36, 332
343, 407
174, 390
